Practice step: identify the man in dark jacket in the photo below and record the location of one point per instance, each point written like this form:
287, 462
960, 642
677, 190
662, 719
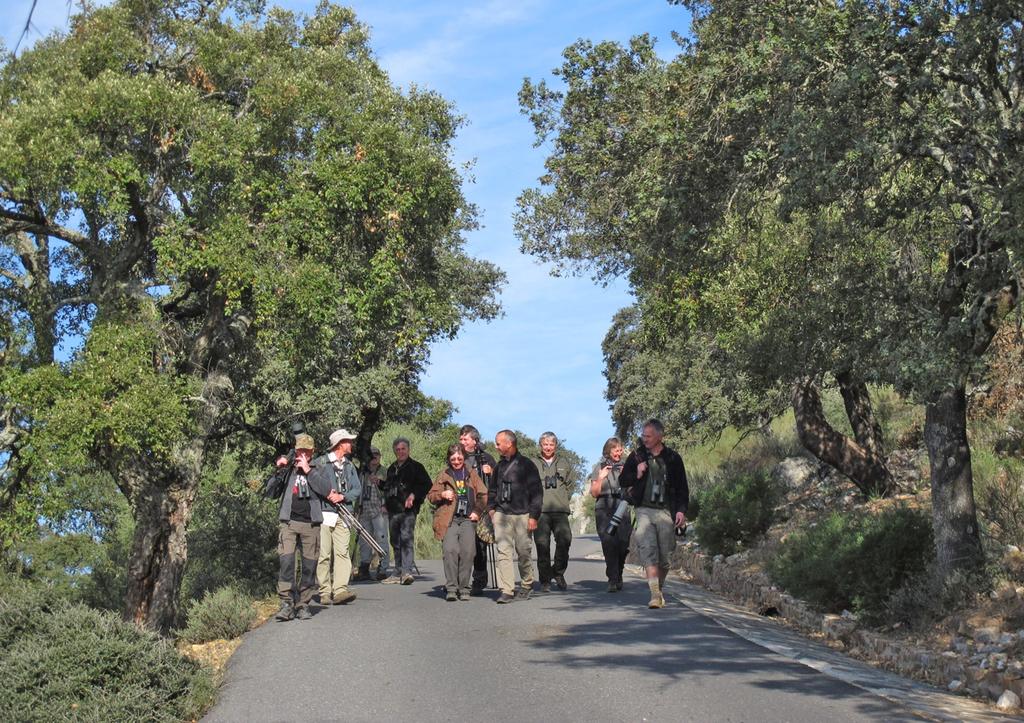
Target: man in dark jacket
484, 464
654, 481
405, 487
514, 500
300, 517
558, 477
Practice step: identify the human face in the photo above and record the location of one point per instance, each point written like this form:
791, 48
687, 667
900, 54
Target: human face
401, 451
303, 455
548, 447
375, 461
467, 442
504, 445
456, 460
615, 453
651, 438
343, 448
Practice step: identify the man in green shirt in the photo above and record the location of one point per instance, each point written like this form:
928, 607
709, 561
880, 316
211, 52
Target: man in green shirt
558, 477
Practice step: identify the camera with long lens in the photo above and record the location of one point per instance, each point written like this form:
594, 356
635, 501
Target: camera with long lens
621, 513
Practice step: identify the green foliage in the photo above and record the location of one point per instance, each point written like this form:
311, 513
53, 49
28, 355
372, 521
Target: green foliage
61, 661
928, 597
734, 512
854, 562
223, 614
232, 537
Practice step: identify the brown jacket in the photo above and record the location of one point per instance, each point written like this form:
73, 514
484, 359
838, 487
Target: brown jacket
444, 510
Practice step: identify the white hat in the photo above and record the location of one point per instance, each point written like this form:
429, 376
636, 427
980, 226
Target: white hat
340, 434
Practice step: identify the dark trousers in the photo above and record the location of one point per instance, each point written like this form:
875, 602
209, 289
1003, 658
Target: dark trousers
403, 527
480, 565
458, 551
556, 524
300, 538
616, 546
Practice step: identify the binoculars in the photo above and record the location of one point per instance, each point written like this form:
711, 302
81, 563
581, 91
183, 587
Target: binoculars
550, 482
462, 507
506, 491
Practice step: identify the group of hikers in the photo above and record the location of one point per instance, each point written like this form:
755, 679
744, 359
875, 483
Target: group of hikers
512, 502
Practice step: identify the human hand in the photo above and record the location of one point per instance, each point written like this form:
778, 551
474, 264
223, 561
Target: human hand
640, 469
680, 519
335, 497
474, 517
491, 514
409, 500
603, 474
487, 469
448, 495
282, 461
531, 525
303, 464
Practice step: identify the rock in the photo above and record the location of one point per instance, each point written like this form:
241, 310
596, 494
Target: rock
1007, 639
986, 635
794, 472
1015, 670
1008, 701
955, 686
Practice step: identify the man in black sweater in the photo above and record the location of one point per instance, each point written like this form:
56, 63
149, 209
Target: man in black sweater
654, 481
514, 500
405, 487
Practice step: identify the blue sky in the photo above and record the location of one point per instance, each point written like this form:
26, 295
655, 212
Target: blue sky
539, 366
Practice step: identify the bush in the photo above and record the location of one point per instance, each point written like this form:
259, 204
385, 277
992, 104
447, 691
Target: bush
735, 512
927, 598
63, 661
855, 562
226, 613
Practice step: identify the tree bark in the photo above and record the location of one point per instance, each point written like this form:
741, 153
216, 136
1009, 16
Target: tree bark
866, 468
159, 553
857, 400
954, 518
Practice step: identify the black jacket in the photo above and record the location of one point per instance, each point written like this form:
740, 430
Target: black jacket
399, 482
280, 483
476, 460
527, 493
676, 487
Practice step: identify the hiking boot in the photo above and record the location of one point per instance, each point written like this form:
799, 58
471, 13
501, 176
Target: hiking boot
560, 581
303, 613
657, 600
287, 612
382, 574
452, 596
393, 580
344, 597
362, 572
618, 586
407, 579
325, 600
611, 587
463, 596
523, 593
476, 591
505, 598
545, 587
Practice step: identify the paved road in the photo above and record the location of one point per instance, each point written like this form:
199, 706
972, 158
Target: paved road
404, 653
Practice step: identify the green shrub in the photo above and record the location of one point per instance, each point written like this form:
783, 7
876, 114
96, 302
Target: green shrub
855, 562
735, 512
226, 613
926, 598
63, 661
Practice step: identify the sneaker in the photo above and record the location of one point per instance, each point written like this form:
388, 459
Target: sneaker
476, 591
393, 580
303, 613
325, 600
382, 575
344, 597
545, 587
618, 586
560, 581
505, 598
657, 600
611, 587
361, 573
451, 596
523, 593
463, 596
287, 612
407, 579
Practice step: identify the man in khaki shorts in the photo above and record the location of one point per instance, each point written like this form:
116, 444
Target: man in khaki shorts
654, 481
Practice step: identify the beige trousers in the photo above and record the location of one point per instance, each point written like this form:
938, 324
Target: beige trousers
512, 537
333, 544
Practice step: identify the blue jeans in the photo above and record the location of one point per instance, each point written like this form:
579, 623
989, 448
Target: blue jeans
377, 525
403, 527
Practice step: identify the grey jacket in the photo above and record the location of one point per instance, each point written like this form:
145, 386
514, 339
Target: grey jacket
344, 480
319, 488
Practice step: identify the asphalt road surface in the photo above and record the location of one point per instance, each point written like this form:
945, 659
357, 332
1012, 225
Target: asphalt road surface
404, 653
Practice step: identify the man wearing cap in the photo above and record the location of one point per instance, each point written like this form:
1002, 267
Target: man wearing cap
405, 487
373, 517
300, 516
341, 476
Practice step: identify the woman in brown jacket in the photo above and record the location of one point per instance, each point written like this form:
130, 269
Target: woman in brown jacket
459, 498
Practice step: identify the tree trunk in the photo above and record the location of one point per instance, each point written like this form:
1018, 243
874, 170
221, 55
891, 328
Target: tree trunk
159, 553
955, 521
866, 468
866, 429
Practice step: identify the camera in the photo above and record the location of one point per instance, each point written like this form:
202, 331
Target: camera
621, 513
